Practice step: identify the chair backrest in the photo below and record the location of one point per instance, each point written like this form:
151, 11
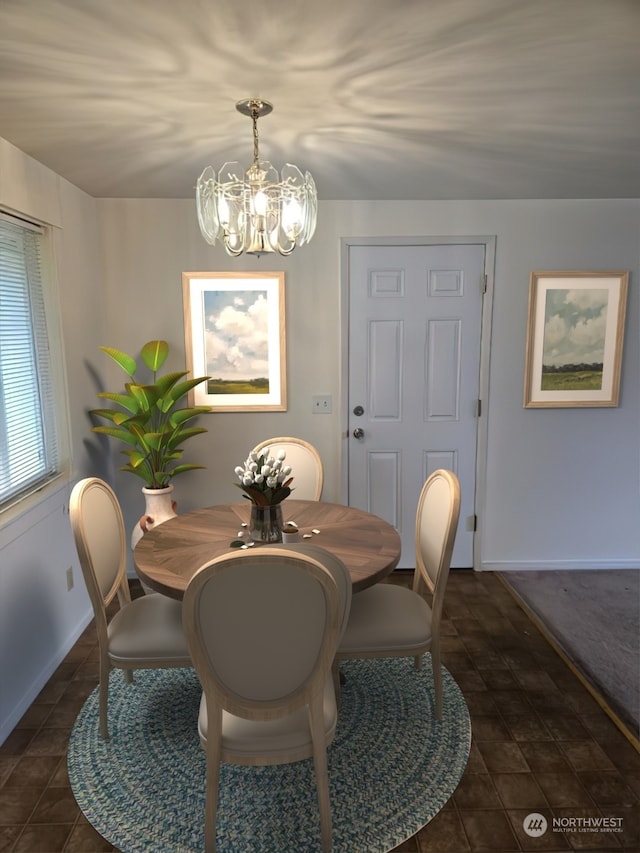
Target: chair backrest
98, 531
436, 526
340, 574
305, 462
262, 628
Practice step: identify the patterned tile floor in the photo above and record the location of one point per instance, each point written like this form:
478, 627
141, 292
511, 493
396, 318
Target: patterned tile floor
541, 743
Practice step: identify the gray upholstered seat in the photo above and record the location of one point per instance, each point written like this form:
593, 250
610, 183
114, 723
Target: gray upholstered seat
144, 633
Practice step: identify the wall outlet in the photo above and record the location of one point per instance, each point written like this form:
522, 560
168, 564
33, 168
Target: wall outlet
69, 578
321, 404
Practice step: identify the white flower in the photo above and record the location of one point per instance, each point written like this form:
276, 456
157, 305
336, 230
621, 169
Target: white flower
272, 481
282, 454
286, 470
253, 456
265, 470
253, 467
239, 471
247, 480
259, 479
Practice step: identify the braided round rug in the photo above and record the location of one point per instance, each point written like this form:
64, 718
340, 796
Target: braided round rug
392, 767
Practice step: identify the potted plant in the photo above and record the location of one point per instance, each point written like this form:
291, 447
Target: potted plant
150, 420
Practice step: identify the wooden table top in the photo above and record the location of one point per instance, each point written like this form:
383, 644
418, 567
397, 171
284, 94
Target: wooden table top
168, 555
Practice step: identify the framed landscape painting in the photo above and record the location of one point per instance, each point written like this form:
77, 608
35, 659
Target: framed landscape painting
574, 338
235, 334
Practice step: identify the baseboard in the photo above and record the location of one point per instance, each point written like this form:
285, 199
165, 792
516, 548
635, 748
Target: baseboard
9, 724
591, 688
557, 565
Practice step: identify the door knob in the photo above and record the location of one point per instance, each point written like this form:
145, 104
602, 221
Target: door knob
358, 411
358, 433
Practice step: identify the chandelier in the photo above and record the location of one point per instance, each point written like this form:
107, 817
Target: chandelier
260, 210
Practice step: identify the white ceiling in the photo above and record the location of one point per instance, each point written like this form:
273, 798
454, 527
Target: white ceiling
379, 99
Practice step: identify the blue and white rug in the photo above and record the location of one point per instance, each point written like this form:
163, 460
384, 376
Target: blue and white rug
392, 767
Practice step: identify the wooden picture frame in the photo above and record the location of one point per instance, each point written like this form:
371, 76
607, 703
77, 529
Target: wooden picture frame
235, 333
574, 338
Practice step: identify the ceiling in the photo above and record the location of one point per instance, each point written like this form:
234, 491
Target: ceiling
412, 99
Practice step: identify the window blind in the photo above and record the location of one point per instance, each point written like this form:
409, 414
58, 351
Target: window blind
28, 444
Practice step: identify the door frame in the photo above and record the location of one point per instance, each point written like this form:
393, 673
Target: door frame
489, 243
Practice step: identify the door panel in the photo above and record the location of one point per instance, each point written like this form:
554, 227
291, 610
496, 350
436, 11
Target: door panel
415, 317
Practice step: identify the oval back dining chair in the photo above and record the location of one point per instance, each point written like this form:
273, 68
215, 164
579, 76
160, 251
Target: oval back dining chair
145, 632
263, 627
392, 621
306, 464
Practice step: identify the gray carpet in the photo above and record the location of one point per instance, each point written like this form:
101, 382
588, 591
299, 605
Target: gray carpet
594, 616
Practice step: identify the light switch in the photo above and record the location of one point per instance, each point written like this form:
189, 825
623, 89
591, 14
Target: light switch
321, 404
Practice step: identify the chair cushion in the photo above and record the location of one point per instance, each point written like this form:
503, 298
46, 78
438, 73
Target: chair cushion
384, 618
258, 739
148, 632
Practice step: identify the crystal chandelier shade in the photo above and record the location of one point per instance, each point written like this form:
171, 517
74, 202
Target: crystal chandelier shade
258, 210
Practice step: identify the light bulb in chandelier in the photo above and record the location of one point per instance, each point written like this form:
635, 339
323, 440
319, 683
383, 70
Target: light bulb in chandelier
258, 210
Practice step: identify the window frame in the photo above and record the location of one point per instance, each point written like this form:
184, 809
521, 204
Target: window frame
24, 500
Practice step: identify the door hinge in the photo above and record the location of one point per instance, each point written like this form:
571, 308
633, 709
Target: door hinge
475, 523
479, 408
484, 284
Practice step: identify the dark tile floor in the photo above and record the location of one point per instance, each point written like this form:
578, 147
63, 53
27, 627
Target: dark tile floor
541, 744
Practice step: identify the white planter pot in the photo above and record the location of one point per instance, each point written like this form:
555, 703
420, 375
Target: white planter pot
158, 509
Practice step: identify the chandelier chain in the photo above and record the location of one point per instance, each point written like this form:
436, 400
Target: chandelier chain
255, 114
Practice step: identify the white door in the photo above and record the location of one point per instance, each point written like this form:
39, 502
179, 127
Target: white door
415, 315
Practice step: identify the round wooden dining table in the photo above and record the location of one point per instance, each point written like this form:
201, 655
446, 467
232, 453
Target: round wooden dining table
167, 557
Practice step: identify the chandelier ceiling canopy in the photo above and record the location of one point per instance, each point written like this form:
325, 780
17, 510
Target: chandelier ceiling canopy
258, 210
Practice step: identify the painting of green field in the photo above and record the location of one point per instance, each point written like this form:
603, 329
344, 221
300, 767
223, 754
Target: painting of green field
578, 380
238, 386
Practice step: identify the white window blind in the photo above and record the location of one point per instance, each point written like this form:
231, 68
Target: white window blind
28, 444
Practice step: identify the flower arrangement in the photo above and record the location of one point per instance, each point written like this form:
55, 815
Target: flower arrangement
264, 479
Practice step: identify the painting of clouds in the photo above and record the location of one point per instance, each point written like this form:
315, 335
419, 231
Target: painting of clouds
236, 326
573, 349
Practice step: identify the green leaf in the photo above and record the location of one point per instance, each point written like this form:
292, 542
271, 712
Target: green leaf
123, 360
113, 415
183, 388
136, 458
139, 472
180, 469
154, 440
154, 354
183, 434
165, 383
127, 402
254, 494
183, 415
145, 396
115, 432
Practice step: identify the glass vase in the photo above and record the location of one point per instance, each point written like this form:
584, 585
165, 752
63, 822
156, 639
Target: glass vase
265, 524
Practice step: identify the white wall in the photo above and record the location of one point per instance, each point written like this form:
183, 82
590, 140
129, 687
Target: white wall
39, 619
562, 485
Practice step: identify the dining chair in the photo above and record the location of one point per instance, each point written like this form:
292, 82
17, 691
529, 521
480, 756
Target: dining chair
306, 464
263, 627
143, 633
387, 620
